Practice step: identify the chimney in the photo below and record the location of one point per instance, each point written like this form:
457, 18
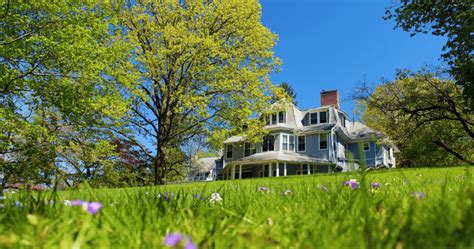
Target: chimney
330, 97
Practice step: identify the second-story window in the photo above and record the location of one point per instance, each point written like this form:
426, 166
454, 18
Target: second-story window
292, 143
268, 143
288, 142
301, 143
250, 149
281, 117
230, 151
313, 118
323, 117
285, 142
323, 141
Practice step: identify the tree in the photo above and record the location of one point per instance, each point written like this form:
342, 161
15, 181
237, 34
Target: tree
59, 58
204, 69
453, 19
425, 115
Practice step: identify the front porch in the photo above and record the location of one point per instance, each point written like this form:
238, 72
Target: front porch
272, 169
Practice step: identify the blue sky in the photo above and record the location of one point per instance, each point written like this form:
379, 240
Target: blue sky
328, 44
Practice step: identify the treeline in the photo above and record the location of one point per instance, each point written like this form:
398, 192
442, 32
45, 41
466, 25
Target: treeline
112, 92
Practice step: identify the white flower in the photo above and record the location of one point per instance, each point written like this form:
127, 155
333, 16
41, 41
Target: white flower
18, 204
215, 197
1, 206
67, 202
2, 197
147, 193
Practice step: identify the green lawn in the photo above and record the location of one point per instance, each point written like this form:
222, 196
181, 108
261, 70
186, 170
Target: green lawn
414, 208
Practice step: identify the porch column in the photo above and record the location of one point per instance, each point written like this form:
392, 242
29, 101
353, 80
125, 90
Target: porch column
270, 170
284, 168
308, 168
233, 172
301, 168
240, 171
277, 170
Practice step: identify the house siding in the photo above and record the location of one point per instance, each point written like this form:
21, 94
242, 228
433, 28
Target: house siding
312, 147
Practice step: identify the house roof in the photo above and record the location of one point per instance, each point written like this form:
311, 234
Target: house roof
205, 164
285, 156
358, 130
316, 128
234, 139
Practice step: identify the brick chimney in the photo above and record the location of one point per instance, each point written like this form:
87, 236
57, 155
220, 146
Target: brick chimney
330, 97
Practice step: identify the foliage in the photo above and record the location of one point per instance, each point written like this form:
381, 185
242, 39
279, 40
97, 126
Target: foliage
426, 116
413, 208
452, 19
204, 69
61, 74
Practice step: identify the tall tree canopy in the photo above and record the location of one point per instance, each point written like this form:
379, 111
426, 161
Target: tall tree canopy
453, 19
286, 90
61, 71
204, 69
426, 116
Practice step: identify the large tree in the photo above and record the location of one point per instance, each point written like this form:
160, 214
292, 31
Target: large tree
425, 115
59, 57
204, 69
452, 19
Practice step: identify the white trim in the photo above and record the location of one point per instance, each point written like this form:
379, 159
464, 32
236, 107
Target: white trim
227, 149
298, 143
363, 146
327, 141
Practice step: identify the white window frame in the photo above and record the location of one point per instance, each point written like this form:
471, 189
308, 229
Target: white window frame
363, 146
317, 118
288, 142
284, 117
298, 144
327, 117
227, 149
319, 141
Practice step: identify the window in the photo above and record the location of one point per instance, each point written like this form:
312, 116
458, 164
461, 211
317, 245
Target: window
229, 151
301, 143
268, 143
285, 142
313, 118
267, 120
274, 118
292, 143
323, 141
250, 149
281, 117
343, 120
323, 117
366, 146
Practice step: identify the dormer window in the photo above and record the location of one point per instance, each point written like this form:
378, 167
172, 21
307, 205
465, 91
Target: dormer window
323, 117
281, 117
318, 117
313, 118
275, 118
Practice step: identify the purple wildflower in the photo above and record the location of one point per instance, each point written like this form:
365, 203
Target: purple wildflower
262, 189
375, 185
353, 183
418, 195
93, 207
77, 203
174, 240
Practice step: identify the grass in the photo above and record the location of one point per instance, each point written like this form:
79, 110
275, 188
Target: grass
391, 216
